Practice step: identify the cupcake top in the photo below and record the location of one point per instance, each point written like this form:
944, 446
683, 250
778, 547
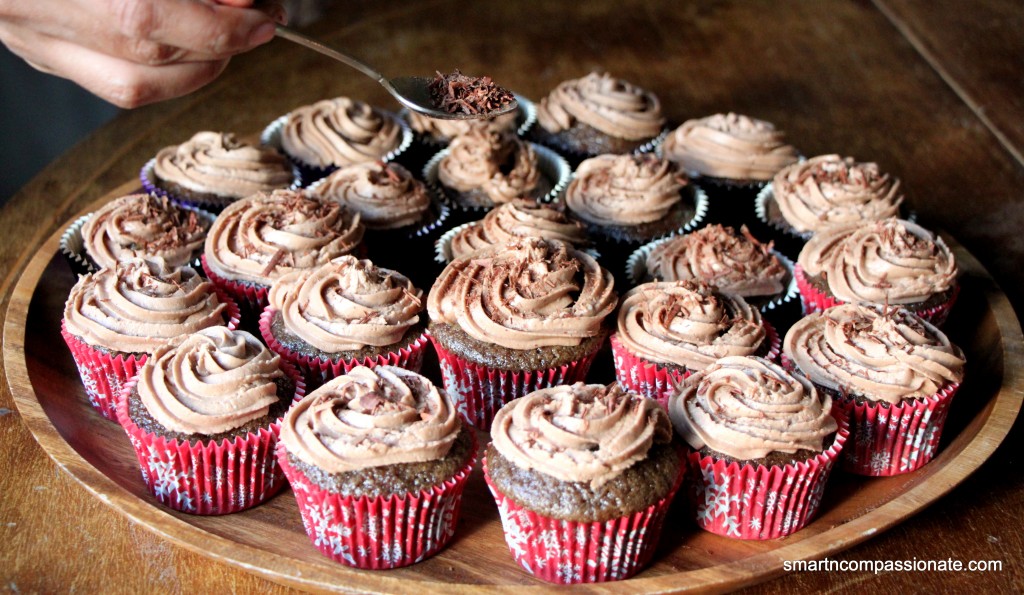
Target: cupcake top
218, 163
748, 408
881, 354
385, 195
502, 166
688, 324
339, 132
209, 382
730, 146
140, 225
136, 305
833, 190
733, 262
519, 218
448, 129
611, 106
346, 304
891, 261
259, 238
587, 433
370, 418
526, 294
624, 189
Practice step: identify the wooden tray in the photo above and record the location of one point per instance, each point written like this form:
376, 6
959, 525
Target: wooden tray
270, 540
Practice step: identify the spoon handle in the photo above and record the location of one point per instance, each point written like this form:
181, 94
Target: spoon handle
299, 38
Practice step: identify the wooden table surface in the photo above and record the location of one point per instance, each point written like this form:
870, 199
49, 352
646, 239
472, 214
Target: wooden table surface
933, 90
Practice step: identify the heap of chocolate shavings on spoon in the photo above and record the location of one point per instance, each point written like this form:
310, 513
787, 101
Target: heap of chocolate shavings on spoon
457, 93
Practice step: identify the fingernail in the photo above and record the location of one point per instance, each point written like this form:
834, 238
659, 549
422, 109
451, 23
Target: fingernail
262, 34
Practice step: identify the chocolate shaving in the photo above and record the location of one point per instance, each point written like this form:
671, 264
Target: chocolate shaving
273, 262
457, 93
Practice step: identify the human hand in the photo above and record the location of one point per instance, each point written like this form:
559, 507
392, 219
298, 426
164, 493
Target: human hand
135, 52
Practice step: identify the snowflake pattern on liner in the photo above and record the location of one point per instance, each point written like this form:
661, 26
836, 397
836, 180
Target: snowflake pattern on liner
169, 485
897, 444
460, 390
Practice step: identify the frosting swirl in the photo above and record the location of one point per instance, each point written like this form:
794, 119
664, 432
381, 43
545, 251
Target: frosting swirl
687, 324
136, 305
259, 238
385, 195
209, 382
144, 226
579, 433
449, 129
519, 218
502, 166
218, 163
748, 408
833, 190
877, 353
624, 189
528, 293
612, 106
891, 261
338, 132
346, 304
731, 146
370, 418
717, 255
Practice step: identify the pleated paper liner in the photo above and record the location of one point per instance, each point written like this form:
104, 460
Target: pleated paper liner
658, 382
381, 532
104, 373
149, 181
209, 478
572, 552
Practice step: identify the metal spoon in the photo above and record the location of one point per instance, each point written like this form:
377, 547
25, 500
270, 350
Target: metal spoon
411, 91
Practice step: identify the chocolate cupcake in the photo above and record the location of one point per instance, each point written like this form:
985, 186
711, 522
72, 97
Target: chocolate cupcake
598, 114
214, 169
732, 157
887, 370
569, 466
378, 459
348, 312
203, 416
260, 238
762, 442
135, 226
510, 319
667, 330
890, 262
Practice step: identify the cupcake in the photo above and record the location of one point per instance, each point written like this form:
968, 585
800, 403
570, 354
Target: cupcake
731, 156
203, 415
511, 319
258, 239
517, 219
482, 169
890, 262
733, 262
827, 190
213, 169
625, 201
114, 318
598, 114
762, 442
135, 226
669, 329
377, 459
583, 475
333, 133
346, 313
892, 374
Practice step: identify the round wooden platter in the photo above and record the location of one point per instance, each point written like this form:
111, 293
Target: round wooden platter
270, 541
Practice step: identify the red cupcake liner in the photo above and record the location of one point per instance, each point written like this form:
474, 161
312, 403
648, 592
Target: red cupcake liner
103, 374
571, 552
382, 532
321, 370
209, 478
814, 300
250, 297
654, 381
758, 502
889, 439
480, 391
